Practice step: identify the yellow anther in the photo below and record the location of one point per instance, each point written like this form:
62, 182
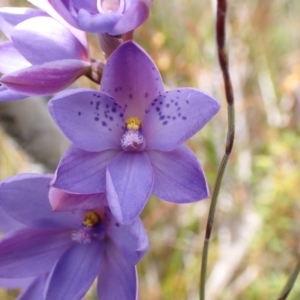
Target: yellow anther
91, 219
133, 123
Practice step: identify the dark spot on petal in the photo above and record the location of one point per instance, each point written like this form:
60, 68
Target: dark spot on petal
117, 224
168, 117
165, 122
176, 103
157, 109
187, 102
107, 106
146, 95
167, 105
111, 118
130, 96
172, 100
162, 117
160, 102
91, 102
121, 115
174, 118
178, 91
99, 96
116, 89
79, 113
104, 123
97, 119
178, 108
183, 118
179, 115
114, 110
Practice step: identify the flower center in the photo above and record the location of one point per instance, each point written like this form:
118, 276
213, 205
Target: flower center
85, 233
91, 219
110, 6
133, 139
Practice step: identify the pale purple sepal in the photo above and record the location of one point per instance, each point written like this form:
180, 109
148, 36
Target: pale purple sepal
11, 59
35, 290
47, 78
129, 181
11, 16
178, 176
62, 201
83, 172
8, 95
46, 40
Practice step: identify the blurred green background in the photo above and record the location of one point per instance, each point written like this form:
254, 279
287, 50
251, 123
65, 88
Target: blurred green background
256, 234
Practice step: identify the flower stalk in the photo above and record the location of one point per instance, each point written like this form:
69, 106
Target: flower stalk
290, 283
223, 61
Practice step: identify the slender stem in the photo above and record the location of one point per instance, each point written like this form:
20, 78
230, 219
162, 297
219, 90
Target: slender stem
223, 61
290, 283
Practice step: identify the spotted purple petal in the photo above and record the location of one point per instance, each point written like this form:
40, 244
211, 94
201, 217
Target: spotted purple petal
131, 77
175, 116
94, 121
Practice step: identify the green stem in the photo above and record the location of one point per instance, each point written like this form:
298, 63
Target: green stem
290, 283
223, 60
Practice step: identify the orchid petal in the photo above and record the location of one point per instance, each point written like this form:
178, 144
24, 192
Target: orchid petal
62, 201
117, 276
83, 172
97, 23
46, 40
47, 78
175, 116
56, 9
132, 239
129, 181
16, 283
8, 95
131, 77
34, 290
25, 198
92, 120
86, 4
75, 272
31, 252
11, 16
7, 223
11, 59
136, 15
178, 176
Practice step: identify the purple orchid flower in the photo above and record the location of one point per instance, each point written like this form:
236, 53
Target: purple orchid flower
128, 137
32, 286
42, 56
74, 247
114, 17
